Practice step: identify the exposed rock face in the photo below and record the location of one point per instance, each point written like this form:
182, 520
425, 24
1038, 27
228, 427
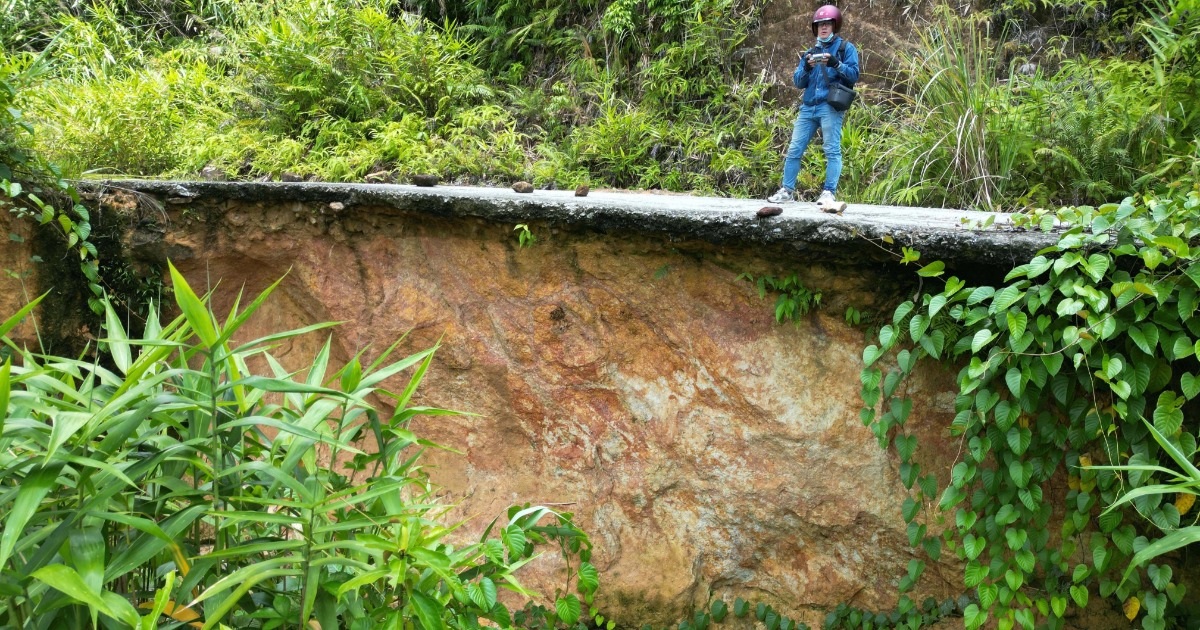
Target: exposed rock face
632, 380
628, 376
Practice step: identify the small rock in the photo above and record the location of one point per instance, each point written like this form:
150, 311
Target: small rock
380, 177
337, 206
523, 187
212, 174
769, 211
425, 179
582, 190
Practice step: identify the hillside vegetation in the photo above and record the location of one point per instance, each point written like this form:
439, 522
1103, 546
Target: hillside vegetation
648, 94
139, 488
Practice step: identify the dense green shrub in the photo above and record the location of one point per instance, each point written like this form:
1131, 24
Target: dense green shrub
189, 476
632, 94
1085, 355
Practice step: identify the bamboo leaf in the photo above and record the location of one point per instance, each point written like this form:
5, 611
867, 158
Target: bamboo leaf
33, 488
428, 611
193, 309
115, 337
5, 389
67, 581
19, 316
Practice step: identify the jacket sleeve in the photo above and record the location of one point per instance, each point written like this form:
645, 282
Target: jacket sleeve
848, 70
801, 75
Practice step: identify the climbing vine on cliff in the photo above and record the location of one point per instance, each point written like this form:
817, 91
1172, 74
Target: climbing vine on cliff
1074, 361
25, 178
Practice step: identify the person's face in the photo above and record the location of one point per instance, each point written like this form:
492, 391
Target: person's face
824, 29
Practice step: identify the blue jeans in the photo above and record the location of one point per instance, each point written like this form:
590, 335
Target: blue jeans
830, 121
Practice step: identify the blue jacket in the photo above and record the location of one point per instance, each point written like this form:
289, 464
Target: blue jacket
815, 81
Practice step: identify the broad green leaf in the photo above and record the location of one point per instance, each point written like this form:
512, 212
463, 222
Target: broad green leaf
973, 617
933, 269
589, 577
1016, 538
514, 538
19, 316
973, 546
1053, 362
981, 339
193, 309
980, 294
987, 595
33, 488
936, 303
1058, 604
1079, 593
719, 610
1005, 298
1014, 381
429, 611
66, 580
568, 609
1017, 322
86, 547
115, 337
1014, 579
1019, 439
974, 574
871, 354
5, 388
1168, 417
1146, 337
1160, 575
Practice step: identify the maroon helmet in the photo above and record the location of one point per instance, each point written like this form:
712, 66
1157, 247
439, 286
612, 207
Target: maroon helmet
825, 13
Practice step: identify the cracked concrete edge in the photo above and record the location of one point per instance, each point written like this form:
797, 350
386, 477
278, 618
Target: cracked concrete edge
939, 234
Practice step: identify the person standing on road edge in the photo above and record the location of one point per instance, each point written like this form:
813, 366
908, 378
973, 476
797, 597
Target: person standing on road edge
831, 59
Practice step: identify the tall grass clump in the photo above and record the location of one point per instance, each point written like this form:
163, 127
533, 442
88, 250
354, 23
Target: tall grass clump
961, 137
187, 477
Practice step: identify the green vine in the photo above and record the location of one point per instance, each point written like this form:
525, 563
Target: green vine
31, 188
1077, 358
795, 300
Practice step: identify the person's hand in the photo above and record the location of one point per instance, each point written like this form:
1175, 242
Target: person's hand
833, 61
810, 60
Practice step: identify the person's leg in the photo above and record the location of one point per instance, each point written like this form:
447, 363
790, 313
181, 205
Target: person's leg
831, 133
802, 133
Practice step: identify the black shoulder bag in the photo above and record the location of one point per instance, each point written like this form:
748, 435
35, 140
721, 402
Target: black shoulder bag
840, 95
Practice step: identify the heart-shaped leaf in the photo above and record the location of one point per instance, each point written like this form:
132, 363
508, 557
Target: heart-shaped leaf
1190, 385
987, 595
973, 546
568, 609
1080, 595
936, 304
973, 617
1017, 321
981, 339
1160, 576
1016, 538
1019, 439
974, 574
1014, 579
1175, 592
